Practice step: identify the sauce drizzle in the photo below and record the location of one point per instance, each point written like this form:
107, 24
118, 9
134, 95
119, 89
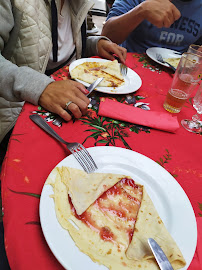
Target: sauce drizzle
119, 204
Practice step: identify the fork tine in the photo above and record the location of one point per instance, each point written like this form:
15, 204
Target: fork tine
121, 69
84, 158
82, 155
88, 165
124, 69
87, 159
81, 160
88, 156
159, 57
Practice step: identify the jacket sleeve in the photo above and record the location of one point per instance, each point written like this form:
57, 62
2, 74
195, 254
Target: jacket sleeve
91, 45
17, 83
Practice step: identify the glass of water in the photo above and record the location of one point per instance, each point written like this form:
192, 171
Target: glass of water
195, 125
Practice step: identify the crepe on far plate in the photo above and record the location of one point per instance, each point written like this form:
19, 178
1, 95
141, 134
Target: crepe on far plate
110, 218
172, 61
91, 71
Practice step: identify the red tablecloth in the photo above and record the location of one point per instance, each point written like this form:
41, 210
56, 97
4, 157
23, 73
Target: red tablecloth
32, 154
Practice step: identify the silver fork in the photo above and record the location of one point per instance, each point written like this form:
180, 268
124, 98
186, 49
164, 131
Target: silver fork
77, 149
160, 59
124, 69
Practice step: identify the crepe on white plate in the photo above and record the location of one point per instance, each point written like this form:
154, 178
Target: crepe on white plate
166, 54
168, 197
119, 84
90, 71
110, 218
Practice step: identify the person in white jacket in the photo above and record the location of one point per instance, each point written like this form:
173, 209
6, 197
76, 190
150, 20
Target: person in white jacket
37, 37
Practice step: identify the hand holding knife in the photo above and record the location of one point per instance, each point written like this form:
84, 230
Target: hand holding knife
93, 85
90, 89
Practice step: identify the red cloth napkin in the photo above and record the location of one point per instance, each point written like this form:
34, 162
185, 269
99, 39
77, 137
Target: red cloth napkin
158, 120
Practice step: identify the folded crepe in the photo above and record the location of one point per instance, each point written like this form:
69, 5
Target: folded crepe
158, 120
149, 223
110, 218
82, 194
90, 71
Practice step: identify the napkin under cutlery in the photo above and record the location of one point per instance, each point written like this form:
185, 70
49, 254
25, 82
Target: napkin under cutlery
158, 120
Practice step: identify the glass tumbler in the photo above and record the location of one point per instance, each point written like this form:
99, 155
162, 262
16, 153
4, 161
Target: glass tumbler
195, 49
185, 80
195, 125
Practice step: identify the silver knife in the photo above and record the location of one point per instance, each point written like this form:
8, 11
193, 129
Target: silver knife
93, 85
90, 89
159, 255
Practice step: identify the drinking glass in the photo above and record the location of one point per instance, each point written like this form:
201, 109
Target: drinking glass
196, 49
195, 125
185, 80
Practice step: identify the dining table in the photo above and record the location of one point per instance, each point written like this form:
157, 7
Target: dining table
32, 154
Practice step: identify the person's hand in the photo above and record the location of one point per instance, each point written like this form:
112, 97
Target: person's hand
57, 94
106, 49
161, 13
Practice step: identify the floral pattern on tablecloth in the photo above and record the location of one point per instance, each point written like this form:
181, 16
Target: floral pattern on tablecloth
32, 155
104, 130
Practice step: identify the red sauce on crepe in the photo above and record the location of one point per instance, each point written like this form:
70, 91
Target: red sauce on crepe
119, 204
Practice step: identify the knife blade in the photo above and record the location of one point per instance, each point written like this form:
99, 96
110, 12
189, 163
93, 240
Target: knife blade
159, 255
57, 121
93, 85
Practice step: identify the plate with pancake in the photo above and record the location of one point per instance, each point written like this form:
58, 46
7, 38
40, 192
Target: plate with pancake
169, 199
170, 56
87, 70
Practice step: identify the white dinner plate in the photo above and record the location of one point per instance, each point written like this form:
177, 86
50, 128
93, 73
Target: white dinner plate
167, 195
132, 79
165, 53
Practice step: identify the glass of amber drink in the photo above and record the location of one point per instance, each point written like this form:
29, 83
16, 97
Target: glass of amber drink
185, 80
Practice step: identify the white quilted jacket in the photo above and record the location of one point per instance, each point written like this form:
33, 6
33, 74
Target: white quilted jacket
25, 46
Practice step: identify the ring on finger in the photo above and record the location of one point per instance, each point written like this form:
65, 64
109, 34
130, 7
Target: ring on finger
67, 104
